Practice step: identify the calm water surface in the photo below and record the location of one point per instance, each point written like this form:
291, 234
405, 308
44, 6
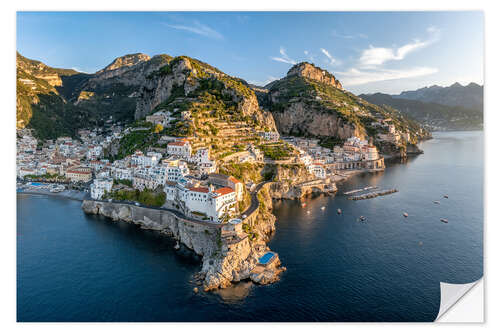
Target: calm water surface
73, 267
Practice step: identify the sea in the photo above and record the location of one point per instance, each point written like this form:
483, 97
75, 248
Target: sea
72, 267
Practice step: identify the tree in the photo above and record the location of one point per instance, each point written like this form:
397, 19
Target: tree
158, 128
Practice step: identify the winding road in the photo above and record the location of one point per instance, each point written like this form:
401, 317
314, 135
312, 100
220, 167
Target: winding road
254, 204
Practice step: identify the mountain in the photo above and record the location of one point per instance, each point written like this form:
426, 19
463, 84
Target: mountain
469, 96
310, 101
433, 115
56, 102
207, 105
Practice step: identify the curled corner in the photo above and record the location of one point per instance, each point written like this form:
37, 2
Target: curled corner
451, 294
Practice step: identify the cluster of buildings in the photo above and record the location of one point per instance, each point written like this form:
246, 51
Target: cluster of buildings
161, 117
390, 133
322, 162
271, 136
65, 157
213, 200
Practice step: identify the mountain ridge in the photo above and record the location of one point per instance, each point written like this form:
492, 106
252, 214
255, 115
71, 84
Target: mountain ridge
468, 96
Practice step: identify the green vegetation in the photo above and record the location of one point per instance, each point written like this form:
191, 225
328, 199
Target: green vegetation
126, 182
330, 142
46, 178
145, 197
137, 140
277, 151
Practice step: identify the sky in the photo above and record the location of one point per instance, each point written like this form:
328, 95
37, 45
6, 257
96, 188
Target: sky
368, 52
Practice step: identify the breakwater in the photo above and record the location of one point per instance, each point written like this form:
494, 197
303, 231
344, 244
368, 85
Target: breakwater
372, 194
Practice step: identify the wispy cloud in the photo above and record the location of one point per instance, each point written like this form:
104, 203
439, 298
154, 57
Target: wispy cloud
345, 36
197, 28
354, 77
284, 57
329, 56
371, 64
374, 56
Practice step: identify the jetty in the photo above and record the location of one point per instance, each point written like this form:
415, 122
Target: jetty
360, 190
372, 194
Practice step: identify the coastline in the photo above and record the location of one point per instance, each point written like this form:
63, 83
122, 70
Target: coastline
66, 194
228, 254
226, 259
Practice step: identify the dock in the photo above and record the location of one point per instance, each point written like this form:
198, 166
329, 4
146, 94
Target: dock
373, 194
361, 190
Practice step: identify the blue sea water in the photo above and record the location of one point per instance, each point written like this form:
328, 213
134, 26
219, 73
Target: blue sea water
73, 267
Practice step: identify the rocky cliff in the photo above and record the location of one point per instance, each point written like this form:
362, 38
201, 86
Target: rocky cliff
224, 260
309, 71
56, 102
295, 182
187, 80
311, 102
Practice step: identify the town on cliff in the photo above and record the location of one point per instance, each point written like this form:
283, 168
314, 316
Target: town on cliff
206, 153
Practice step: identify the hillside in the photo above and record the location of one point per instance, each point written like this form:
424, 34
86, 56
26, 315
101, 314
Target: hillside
208, 106
469, 96
309, 101
56, 102
432, 115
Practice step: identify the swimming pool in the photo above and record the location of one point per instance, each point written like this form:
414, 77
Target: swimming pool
36, 184
264, 260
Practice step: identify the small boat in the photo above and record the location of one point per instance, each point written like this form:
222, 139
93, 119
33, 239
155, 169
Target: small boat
362, 218
323, 208
445, 196
444, 220
339, 211
436, 202
405, 214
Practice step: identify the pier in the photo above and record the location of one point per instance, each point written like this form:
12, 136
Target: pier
373, 194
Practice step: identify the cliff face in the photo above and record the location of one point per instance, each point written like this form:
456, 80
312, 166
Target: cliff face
223, 261
125, 61
299, 119
311, 102
187, 79
56, 102
312, 72
295, 182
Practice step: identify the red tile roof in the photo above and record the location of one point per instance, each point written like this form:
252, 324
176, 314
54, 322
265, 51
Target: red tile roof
199, 189
178, 143
224, 190
234, 180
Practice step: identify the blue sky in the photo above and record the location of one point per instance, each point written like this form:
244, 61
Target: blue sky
367, 51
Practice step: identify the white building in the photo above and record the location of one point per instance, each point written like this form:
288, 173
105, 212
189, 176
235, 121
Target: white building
99, 187
175, 169
121, 173
202, 202
370, 153
148, 160
318, 170
181, 149
270, 135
